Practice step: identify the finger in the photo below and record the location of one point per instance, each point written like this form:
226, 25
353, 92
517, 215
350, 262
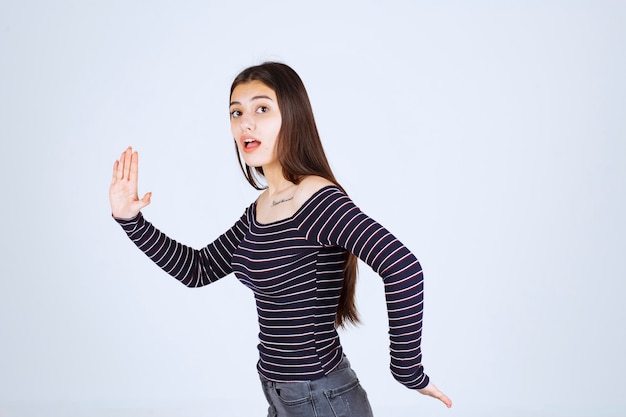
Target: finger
146, 198
115, 165
140, 204
438, 394
432, 391
127, 162
120, 166
444, 398
134, 166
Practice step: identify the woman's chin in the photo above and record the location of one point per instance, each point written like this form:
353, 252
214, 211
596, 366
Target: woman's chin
254, 164
260, 162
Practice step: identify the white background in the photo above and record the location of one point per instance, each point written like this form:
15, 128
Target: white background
488, 136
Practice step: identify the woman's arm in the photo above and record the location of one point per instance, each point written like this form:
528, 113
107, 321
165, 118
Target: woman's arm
193, 268
338, 221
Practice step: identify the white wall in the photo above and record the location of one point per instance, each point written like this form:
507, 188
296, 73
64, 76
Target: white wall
489, 137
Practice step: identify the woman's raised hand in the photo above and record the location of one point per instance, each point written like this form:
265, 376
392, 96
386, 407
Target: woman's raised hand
432, 391
125, 202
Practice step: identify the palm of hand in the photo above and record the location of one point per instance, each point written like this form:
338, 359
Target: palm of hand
123, 196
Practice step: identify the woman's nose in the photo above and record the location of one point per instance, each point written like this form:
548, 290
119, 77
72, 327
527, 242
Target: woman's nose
246, 123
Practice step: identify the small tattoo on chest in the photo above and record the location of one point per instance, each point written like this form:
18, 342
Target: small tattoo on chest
275, 203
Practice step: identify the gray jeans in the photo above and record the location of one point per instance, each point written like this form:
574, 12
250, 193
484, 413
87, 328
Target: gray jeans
338, 394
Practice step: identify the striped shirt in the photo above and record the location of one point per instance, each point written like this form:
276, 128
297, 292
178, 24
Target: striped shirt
294, 267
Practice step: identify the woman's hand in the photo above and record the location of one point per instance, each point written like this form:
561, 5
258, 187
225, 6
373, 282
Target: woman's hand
432, 391
125, 202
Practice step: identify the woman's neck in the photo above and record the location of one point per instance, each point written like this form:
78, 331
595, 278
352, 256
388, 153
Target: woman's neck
277, 184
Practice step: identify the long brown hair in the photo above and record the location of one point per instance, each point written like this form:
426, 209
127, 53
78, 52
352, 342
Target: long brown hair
300, 153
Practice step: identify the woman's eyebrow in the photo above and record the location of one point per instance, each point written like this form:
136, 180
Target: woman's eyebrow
232, 103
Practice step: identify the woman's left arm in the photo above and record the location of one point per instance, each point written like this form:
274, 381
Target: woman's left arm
338, 221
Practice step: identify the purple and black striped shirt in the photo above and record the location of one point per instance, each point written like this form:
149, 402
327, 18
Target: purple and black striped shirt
295, 269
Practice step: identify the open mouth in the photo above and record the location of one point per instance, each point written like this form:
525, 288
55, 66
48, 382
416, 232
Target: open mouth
250, 144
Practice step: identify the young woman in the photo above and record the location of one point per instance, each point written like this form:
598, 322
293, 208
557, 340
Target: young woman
296, 248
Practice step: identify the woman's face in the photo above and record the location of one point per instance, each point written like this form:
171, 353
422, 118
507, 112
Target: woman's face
255, 121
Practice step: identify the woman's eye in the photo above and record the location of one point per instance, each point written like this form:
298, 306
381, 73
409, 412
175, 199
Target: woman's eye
263, 109
235, 113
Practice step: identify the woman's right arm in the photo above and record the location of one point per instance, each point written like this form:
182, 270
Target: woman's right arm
193, 268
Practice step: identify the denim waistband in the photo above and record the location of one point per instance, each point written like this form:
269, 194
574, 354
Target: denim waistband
345, 363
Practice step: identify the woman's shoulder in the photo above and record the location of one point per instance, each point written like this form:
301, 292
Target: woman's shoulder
308, 187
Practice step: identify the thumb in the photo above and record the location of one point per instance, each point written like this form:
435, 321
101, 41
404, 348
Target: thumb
137, 205
146, 199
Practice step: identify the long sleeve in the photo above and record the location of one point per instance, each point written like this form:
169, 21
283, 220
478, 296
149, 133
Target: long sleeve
336, 220
192, 267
